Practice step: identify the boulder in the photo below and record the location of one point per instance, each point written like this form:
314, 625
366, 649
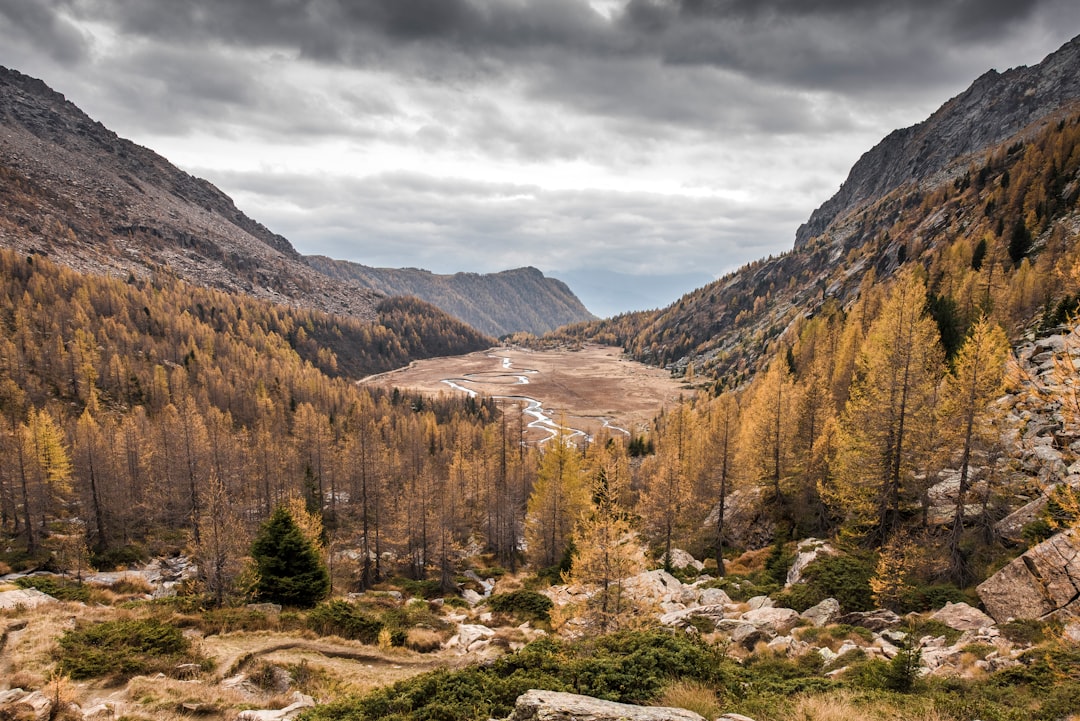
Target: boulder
682, 559
962, 617
683, 619
879, 620
657, 586
19, 704
823, 613
713, 597
300, 704
760, 602
806, 553
777, 620
1041, 582
24, 597
101, 711
536, 705
745, 634
469, 636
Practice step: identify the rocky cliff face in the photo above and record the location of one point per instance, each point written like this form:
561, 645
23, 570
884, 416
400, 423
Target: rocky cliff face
996, 107
73, 190
493, 303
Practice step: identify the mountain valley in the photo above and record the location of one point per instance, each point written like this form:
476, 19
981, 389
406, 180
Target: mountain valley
240, 483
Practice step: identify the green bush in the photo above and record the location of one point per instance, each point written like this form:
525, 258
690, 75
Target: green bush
419, 589
930, 627
1026, 631
341, 618
931, 597
627, 667
125, 556
845, 578
523, 603
59, 588
121, 649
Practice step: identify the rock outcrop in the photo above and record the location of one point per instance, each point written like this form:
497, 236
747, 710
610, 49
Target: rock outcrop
25, 598
1042, 583
557, 706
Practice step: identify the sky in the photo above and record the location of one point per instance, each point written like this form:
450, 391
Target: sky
636, 148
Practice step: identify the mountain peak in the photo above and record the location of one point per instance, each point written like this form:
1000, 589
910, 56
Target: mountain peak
994, 107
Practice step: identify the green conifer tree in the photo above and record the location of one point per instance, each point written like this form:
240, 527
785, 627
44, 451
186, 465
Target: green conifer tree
290, 570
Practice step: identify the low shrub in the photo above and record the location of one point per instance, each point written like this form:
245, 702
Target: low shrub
217, 621
114, 558
56, 586
131, 586
419, 589
124, 648
845, 578
1025, 631
931, 597
930, 627
523, 604
341, 618
627, 667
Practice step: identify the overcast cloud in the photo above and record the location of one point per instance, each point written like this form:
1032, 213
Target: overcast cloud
642, 140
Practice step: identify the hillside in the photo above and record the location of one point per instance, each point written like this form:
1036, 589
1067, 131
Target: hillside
75, 191
996, 197
493, 303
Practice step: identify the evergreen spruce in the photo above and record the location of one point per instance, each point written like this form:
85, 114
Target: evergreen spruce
290, 570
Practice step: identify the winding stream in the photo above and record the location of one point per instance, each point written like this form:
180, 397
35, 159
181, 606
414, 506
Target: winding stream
541, 419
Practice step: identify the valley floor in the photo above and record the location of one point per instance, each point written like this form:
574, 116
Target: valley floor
584, 390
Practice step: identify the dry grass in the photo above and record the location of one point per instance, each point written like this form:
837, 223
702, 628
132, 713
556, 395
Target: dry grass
846, 706
748, 563
692, 696
30, 650
164, 698
425, 640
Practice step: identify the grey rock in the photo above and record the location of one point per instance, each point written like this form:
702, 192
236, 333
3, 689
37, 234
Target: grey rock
776, 620
300, 704
537, 705
992, 109
760, 602
806, 552
1043, 581
962, 617
682, 559
713, 597
823, 613
879, 620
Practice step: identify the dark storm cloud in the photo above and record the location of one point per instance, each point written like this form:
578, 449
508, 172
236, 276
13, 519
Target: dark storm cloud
37, 23
697, 63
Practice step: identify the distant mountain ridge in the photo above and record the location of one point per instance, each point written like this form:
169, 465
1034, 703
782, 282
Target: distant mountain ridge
498, 304
71, 189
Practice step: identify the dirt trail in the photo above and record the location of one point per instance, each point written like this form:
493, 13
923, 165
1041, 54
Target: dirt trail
236, 652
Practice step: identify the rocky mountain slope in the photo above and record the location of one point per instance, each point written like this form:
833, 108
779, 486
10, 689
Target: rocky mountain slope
494, 303
989, 184
75, 191
996, 107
